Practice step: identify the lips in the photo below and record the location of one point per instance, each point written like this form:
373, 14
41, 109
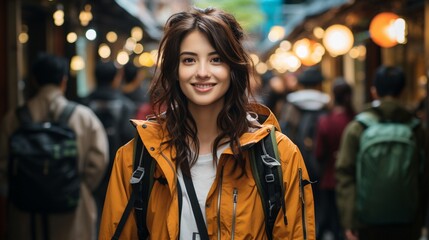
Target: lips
203, 87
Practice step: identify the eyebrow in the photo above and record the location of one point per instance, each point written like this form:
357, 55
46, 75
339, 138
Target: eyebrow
194, 54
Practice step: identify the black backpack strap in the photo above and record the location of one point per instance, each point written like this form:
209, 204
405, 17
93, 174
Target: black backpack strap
267, 172
198, 215
144, 168
140, 205
124, 217
23, 114
66, 113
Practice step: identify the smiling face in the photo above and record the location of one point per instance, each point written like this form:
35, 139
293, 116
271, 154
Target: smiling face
203, 77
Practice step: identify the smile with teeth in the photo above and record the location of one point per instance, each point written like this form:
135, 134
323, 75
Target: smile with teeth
203, 86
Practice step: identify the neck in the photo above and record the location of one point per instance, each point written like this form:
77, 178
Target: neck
206, 121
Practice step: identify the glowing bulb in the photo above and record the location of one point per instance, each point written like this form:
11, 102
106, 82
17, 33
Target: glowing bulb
104, 50
276, 33
122, 58
91, 34
338, 39
111, 37
77, 63
71, 37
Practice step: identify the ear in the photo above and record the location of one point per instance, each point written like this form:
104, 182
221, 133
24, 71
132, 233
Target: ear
117, 81
63, 84
374, 93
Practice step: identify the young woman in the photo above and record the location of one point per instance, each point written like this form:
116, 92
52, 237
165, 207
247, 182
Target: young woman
202, 84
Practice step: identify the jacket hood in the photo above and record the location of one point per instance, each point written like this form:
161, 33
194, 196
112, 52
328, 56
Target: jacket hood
309, 99
263, 115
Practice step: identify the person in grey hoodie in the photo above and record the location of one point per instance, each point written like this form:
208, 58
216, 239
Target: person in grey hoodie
299, 119
300, 114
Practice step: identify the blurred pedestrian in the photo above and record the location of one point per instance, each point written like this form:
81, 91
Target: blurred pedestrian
382, 168
115, 111
135, 85
328, 136
273, 92
200, 142
301, 112
136, 88
50, 73
298, 121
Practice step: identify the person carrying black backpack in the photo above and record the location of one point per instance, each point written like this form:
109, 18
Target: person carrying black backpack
382, 167
298, 121
55, 152
114, 110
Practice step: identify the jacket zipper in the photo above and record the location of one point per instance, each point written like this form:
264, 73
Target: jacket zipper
303, 210
234, 212
219, 197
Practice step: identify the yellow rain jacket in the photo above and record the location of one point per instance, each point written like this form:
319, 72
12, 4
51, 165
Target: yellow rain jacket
163, 210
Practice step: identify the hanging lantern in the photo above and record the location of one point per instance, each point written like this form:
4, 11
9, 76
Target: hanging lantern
387, 29
338, 39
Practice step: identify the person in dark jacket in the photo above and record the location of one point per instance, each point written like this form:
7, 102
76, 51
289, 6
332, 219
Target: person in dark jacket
115, 111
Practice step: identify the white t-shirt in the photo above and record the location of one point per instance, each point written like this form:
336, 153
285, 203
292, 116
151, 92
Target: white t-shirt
203, 175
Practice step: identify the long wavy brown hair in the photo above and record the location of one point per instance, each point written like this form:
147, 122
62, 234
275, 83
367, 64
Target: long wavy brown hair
225, 35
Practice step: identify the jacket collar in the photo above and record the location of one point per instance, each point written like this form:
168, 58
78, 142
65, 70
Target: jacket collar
260, 115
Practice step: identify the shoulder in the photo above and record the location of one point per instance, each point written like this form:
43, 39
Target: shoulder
83, 111
84, 117
9, 122
353, 130
286, 147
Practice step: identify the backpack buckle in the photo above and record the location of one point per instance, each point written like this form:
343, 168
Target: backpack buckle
137, 175
269, 178
269, 161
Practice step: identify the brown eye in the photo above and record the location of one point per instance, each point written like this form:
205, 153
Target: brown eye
217, 60
188, 60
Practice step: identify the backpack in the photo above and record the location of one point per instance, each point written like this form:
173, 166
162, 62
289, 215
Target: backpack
266, 171
303, 134
43, 164
387, 177
110, 113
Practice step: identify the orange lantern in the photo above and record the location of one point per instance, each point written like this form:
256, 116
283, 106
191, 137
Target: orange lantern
380, 29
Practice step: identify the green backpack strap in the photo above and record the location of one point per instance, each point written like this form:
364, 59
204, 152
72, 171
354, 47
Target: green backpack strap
267, 172
367, 119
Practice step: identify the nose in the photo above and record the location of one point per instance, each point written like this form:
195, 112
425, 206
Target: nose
203, 70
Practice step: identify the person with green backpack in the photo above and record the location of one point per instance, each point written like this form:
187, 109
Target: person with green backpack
206, 144
382, 167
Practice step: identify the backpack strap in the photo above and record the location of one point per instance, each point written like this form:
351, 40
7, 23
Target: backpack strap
267, 172
145, 161
67, 112
367, 119
143, 168
23, 114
